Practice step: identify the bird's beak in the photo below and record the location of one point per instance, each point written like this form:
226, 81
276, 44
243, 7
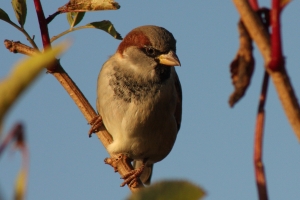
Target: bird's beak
169, 59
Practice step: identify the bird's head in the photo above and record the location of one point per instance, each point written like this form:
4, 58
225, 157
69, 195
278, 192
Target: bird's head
146, 49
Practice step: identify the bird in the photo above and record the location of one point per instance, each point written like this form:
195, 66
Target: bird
139, 98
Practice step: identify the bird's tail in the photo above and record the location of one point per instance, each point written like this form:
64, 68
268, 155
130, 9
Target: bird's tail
147, 172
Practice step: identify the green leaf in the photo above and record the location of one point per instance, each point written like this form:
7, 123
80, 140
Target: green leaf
20, 9
106, 26
74, 18
175, 190
23, 75
4, 16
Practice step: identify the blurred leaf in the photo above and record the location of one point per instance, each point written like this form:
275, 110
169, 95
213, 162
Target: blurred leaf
18, 135
20, 186
74, 18
20, 9
175, 190
4, 16
107, 26
22, 75
89, 5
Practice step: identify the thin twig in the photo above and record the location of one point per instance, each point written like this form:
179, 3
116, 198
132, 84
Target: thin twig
42, 23
255, 27
276, 49
13, 136
254, 4
51, 17
258, 142
280, 78
18, 47
31, 41
68, 31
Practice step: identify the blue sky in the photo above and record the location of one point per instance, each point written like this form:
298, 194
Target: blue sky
215, 144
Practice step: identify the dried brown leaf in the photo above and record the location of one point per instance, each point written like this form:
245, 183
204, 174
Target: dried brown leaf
89, 5
241, 68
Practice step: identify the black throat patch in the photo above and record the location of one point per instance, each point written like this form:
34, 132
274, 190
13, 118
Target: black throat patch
129, 88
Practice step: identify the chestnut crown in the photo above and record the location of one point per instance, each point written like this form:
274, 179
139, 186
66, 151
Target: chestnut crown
149, 37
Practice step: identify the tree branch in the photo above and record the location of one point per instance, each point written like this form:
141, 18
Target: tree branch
280, 78
276, 49
254, 4
82, 103
42, 23
261, 182
87, 110
51, 17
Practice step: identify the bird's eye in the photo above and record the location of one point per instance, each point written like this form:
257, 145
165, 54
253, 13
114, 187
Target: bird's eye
150, 51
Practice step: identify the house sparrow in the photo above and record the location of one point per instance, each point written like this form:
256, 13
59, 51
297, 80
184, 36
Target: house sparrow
140, 99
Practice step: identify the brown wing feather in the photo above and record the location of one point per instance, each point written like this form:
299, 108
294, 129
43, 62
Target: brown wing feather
147, 173
178, 110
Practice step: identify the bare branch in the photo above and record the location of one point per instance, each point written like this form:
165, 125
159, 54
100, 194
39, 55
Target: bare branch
42, 23
51, 17
87, 110
280, 78
254, 4
276, 47
260, 177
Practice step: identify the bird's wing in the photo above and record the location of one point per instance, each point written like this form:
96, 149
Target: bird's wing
147, 172
178, 110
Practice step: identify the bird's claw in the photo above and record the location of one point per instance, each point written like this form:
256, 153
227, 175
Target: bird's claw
132, 177
96, 123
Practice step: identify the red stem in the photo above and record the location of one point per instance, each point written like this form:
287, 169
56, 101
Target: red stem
42, 23
276, 48
260, 177
11, 136
254, 4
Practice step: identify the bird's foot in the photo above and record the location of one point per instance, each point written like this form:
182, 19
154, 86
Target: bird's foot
132, 177
96, 123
